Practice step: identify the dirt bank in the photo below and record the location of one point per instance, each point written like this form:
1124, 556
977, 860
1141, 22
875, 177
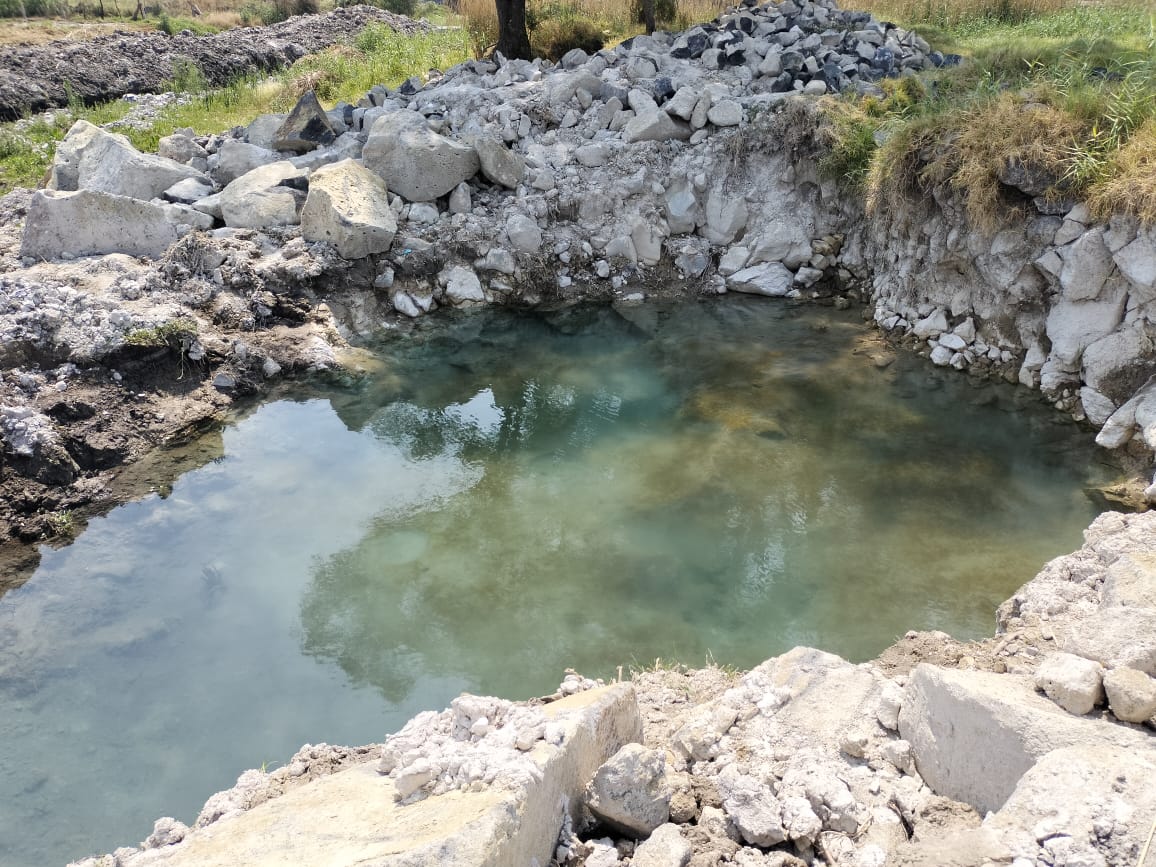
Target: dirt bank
34, 78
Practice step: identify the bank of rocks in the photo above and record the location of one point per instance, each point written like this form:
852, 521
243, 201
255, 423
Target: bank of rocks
805, 760
35, 78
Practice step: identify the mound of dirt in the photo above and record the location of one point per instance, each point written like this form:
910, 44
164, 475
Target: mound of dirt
34, 78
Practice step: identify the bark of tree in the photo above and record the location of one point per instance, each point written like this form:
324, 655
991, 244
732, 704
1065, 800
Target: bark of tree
648, 15
513, 41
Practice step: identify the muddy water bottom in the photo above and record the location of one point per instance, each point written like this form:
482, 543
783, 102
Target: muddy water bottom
507, 496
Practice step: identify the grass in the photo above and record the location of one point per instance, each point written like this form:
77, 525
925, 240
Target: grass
1067, 89
378, 56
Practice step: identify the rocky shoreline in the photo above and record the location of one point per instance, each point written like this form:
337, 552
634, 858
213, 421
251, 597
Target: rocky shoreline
143, 295
1037, 746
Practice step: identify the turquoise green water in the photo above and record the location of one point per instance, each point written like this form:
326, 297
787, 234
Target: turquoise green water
505, 498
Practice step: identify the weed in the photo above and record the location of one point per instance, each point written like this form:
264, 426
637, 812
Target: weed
176, 335
61, 525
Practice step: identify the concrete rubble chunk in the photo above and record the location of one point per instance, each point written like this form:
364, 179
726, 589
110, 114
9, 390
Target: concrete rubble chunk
1131, 694
413, 160
306, 128
511, 821
235, 158
654, 125
89, 158
770, 278
90, 223
348, 206
499, 164
524, 234
752, 806
665, 847
1072, 682
1117, 637
463, 286
267, 196
629, 792
726, 217
975, 734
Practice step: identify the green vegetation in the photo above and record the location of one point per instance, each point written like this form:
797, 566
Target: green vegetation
378, 56
1070, 92
176, 334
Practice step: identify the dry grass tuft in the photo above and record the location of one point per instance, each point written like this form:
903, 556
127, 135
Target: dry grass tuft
951, 13
1131, 187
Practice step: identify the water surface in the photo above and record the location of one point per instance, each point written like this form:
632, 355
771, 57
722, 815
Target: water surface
506, 497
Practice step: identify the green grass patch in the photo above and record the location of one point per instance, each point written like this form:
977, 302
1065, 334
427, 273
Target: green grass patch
1070, 91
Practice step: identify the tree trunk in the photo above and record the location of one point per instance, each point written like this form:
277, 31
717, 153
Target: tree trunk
648, 15
513, 41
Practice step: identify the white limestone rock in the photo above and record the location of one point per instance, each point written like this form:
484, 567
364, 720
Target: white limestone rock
665, 847
1072, 682
266, 197
235, 158
499, 164
654, 125
413, 160
89, 158
770, 278
726, 217
1117, 637
629, 792
462, 285
348, 206
1131, 695
725, 112
88, 223
751, 804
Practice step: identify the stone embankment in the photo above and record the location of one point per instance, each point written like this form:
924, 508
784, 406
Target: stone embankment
1035, 747
35, 78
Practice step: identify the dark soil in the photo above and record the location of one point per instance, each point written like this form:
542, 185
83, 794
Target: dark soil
35, 78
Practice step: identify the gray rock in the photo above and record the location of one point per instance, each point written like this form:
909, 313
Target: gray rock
265, 197
665, 847
415, 162
499, 164
524, 234
725, 112
1087, 266
463, 286
348, 206
682, 103
773, 279
1072, 682
654, 125
1131, 694
1137, 261
306, 128
91, 159
501, 261
726, 217
263, 130
235, 158
347, 147
629, 791
87, 223
461, 202
592, 155
752, 806
647, 240
681, 207
188, 191
180, 147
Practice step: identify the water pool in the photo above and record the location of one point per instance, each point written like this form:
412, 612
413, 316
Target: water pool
506, 496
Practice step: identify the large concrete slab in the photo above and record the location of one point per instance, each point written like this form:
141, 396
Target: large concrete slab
975, 734
352, 817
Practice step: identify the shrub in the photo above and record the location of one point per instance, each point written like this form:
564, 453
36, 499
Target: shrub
552, 39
